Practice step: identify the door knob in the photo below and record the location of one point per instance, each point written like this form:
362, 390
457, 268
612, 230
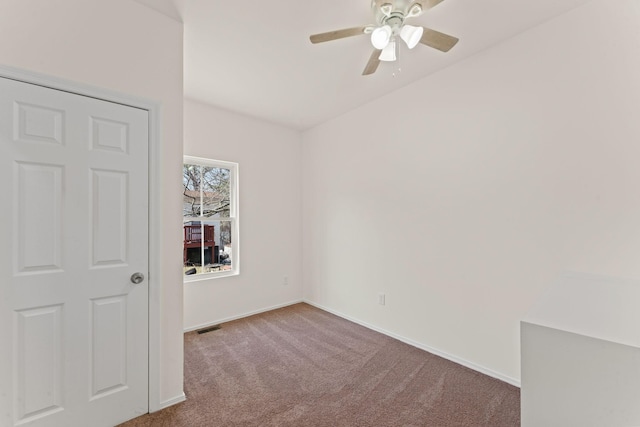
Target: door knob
137, 278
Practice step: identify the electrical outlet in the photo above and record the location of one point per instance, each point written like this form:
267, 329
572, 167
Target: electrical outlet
285, 281
381, 299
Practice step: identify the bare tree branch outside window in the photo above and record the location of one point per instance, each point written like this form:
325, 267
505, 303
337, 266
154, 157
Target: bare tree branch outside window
206, 191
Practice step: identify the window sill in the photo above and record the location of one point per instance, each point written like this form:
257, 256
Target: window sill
209, 276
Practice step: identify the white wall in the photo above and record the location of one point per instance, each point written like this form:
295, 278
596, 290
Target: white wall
462, 196
270, 214
580, 347
122, 46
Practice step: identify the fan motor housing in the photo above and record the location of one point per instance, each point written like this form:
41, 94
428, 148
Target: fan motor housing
399, 8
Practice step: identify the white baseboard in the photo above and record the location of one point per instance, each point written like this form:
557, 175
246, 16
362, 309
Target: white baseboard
241, 316
165, 404
424, 347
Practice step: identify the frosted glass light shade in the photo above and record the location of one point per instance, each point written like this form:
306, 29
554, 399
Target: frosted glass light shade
411, 35
380, 37
388, 53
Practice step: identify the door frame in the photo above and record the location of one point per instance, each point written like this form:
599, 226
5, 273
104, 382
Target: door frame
155, 209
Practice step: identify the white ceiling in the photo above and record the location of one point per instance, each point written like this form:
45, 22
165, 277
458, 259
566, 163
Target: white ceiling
255, 57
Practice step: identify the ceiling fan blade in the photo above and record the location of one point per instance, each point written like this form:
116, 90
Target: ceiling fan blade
337, 34
438, 40
373, 63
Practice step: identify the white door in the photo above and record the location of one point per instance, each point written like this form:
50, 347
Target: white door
73, 230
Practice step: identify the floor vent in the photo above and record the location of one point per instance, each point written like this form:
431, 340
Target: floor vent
209, 329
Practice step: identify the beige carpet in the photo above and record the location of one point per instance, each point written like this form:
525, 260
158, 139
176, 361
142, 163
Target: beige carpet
301, 366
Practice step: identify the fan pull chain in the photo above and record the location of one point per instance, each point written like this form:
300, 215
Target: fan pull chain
397, 65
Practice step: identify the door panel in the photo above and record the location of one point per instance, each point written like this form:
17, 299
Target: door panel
36, 123
37, 366
38, 218
73, 180
108, 345
109, 217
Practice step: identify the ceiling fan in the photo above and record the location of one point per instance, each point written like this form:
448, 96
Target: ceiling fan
390, 17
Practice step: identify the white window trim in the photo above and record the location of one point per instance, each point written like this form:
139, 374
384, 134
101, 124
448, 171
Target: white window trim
233, 216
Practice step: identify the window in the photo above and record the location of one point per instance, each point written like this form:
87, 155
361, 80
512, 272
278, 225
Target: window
210, 218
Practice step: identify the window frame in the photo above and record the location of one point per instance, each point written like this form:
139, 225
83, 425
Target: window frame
233, 217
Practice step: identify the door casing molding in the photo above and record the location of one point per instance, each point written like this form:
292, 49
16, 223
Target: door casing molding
155, 210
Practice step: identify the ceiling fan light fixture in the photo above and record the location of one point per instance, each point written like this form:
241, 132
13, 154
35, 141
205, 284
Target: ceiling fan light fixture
388, 54
387, 29
411, 35
381, 36
414, 11
386, 9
